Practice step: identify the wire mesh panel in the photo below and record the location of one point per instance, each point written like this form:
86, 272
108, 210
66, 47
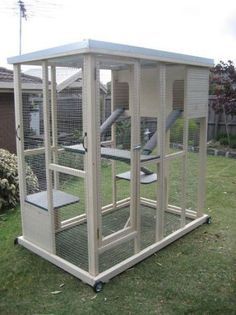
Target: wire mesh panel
193, 164
148, 225
149, 181
73, 186
32, 120
174, 193
33, 137
72, 245
37, 181
175, 179
116, 255
67, 134
115, 159
69, 115
175, 135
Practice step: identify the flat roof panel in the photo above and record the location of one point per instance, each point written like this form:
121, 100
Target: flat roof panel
107, 48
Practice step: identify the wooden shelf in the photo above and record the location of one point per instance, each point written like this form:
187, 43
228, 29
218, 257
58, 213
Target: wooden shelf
144, 178
110, 153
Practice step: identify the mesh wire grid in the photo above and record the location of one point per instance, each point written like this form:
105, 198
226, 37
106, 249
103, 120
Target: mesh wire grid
72, 245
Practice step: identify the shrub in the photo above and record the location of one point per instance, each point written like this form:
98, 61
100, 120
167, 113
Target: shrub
123, 129
224, 141
221, 135
71, 159
233, 143
9, 183
176, 132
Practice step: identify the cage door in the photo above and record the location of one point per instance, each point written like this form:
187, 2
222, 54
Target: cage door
120, 219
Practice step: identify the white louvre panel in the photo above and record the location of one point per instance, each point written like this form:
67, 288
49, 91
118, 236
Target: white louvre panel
197, 92
178, 94
121, 95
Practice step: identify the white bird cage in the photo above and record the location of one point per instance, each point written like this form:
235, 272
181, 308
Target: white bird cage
107, 196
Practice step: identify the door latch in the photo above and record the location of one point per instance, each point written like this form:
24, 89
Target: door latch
137, 147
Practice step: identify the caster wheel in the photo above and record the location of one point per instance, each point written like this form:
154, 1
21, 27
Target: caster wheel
16, 241
98, 286
209, 220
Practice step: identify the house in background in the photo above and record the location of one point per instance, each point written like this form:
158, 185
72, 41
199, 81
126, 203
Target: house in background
30, 86
69, 105
69, 95
69, 89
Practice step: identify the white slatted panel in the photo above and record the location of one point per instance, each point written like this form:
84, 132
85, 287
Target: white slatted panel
197, 92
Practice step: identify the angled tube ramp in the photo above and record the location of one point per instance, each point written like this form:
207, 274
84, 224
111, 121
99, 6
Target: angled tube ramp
147, 176
170, 120
111, 120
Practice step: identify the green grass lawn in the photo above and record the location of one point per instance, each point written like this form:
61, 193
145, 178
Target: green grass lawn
194, 275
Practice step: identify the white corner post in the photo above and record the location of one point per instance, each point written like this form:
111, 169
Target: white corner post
20, 137
185, 149
54, 124
135, 152
161, 134
91, 123
48, 154
202, 166
113, 139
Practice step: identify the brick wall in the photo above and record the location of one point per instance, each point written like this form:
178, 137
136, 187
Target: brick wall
7, 122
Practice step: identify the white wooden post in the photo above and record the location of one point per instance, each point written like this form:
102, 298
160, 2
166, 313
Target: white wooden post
113, 139
54, 123
92, 158
202, 166
47, 144
20, 136
161, 193
185, 149
135, 152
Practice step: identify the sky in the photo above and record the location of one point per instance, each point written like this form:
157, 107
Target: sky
203, 28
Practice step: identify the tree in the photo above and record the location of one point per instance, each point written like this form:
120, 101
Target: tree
223, 86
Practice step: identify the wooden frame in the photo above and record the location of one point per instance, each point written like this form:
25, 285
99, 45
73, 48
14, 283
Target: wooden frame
20, 138
135, 153
112, 272
92, 158
160, 207
54, 123
48, 157
94, 58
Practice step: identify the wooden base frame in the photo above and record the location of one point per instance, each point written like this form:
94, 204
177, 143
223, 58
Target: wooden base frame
118, 268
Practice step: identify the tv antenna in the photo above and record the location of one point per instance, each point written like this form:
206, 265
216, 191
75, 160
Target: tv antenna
27, 9
22, 15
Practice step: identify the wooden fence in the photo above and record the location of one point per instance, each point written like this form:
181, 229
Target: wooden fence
217, 122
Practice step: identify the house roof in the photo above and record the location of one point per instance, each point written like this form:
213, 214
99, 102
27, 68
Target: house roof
69, 52
65, 77
75, 81
61, 74
6, 75
28, 82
